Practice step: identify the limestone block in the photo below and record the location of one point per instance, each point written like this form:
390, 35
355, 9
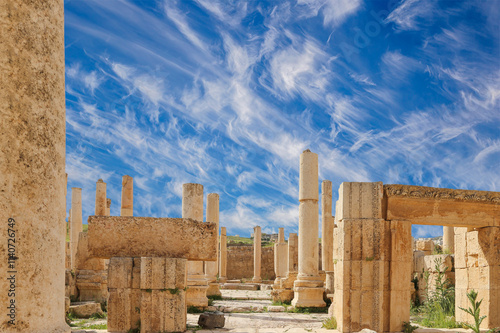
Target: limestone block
83, 261
163, 273
212, 320
127, 204
360, 201
460, 248
430, 262
418, 261
85, 309
116, 236
163, 311
136, 273
425, 245
124, 308
120, 272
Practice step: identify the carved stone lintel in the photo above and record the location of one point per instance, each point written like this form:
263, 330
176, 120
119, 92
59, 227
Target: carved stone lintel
424, 192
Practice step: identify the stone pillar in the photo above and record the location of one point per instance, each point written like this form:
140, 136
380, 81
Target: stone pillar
448, 239
280, 259
477, 266
76, 222
327, 225
308, 288
257, 255
100, 198
293, 253
32, 163
223, 256
127, 208
192, 207
108, 207
212, 267
285, 292
372, 262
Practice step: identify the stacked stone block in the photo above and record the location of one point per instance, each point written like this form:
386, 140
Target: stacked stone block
280, 264
477, 267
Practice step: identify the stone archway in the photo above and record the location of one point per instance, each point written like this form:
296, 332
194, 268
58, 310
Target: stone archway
373, 253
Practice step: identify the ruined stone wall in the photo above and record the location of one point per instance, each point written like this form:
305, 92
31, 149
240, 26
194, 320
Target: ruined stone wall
426, 274
240, 262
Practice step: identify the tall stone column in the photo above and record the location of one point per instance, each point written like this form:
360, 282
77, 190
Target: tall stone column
223, 256
212, 267
108, 207
127, 208
308, 288
192, 207
280, 258
32, 163
100, 198
257, 255
293, 253
449, 239
76, 222
327, 225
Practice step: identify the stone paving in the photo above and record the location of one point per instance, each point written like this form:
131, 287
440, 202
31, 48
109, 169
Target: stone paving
246, 294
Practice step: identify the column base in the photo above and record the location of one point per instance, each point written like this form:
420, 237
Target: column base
213, 289
257, 280
282, 295
196, 296
222, 279
308, 293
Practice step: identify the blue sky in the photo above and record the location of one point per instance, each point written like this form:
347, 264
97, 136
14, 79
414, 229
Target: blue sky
229, 93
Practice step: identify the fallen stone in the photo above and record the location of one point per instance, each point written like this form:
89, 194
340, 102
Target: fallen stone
85, 309
212, 320
240, 286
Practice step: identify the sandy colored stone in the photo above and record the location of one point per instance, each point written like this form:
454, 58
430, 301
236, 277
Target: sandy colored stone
427, 246
108, 207
223, 256
327, 225
293, 253
308, 288
116, 236
163, 273
127, 204
257, 254
360, 200
124, 309
441, 206
212, 267
100, 198
32, 161
448, 239
76, 226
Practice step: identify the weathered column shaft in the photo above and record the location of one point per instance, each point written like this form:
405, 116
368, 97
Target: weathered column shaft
292, 253
32, 163
76, 222
327, 225
257, 254
192, 207
108, 207
100, 198
127, 207
212, 267
449, 239
308, 287
223, 256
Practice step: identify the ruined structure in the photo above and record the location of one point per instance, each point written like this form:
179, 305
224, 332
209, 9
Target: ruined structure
76, 223
147, 269
32, 163
257, 255
308, 288
212, 267
373, 255
192, 208
127, 204
280, 264
223, 256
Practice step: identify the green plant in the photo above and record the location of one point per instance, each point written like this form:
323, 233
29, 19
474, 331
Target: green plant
308, 310
102, 326
285, 303
149, 290
475, 311
97, 315
193, 309
329, 323
174, 291
369, 258
215, 297
104, 306
408, 327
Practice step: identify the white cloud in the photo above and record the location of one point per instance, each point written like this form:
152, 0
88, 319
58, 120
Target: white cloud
409, 14
335, 12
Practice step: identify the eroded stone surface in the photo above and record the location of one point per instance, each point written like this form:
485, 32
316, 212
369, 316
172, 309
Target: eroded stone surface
117, 236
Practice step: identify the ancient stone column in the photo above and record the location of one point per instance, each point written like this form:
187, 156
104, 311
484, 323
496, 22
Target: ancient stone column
100, 198
327, 225
280, 259
292, 253
192, 207
32, 163
127, 208
257, 255
223, 256
448, 239
76, 222
108, 207
212, 267
308, 288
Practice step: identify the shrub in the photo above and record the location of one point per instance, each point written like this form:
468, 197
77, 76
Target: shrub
330, 323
